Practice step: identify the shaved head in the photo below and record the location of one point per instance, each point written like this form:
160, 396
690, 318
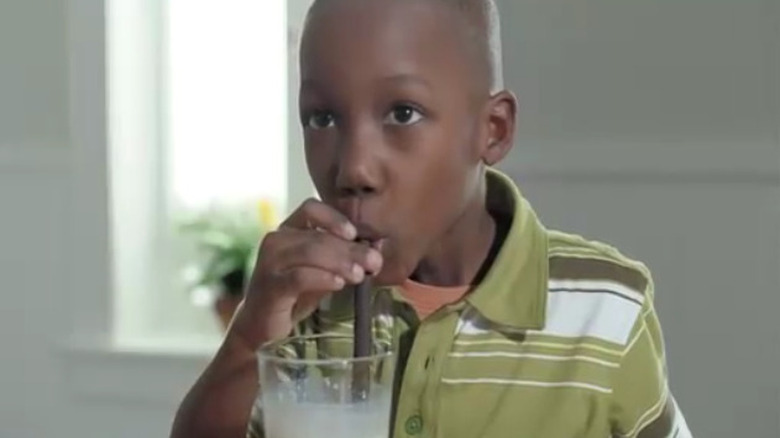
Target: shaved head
479, 20
485, 27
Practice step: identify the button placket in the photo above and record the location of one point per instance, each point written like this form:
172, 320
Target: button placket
417, 410
413, 425
440, 336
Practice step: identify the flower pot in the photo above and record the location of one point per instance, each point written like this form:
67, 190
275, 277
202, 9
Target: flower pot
232, 285
225, 306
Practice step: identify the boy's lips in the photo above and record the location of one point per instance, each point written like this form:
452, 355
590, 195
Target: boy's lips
359, 217
368, 233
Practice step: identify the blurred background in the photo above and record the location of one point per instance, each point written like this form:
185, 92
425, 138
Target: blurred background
143, 143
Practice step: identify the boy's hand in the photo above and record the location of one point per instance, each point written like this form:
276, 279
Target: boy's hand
311, 255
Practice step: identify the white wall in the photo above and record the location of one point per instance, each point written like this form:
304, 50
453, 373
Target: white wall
300, 186
30, 72
651, 125
33, 191
59, 375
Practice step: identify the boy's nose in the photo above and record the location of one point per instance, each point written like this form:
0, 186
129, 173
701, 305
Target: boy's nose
358, 172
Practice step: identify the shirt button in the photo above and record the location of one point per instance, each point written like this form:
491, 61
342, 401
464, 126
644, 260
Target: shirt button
414, 425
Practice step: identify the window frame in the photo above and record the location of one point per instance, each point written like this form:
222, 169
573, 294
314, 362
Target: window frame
100, 324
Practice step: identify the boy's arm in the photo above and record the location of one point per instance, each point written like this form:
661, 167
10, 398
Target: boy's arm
220, 402
643, 405
311, 255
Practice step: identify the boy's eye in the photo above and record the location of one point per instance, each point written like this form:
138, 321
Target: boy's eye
403, 115
320, 120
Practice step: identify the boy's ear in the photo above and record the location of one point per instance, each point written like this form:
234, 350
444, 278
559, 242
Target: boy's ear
501, 115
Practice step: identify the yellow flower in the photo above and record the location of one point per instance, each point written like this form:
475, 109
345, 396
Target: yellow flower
266, 214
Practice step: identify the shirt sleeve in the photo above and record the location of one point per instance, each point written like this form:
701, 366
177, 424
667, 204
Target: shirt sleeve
642, 403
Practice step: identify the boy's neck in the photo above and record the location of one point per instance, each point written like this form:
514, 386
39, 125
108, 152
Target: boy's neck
456, 260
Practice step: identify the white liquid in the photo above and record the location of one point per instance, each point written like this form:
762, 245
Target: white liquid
309, 420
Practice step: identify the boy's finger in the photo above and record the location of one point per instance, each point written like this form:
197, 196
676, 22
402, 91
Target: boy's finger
314, 214
347, 259
301, 279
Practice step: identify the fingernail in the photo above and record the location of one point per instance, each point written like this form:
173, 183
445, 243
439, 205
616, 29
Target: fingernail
374, 260
357, 273
350, 232
339, 283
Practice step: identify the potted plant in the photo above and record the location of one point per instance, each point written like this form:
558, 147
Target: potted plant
225, 241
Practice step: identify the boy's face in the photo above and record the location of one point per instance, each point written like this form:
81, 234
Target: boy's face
395, 125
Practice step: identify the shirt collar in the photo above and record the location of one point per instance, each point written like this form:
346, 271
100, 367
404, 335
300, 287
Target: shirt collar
514, 291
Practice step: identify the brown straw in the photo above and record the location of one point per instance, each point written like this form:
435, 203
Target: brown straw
362, 334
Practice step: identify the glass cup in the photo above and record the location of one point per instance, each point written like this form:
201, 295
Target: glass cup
311, 386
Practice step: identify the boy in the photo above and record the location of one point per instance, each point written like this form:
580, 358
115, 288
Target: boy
516, 330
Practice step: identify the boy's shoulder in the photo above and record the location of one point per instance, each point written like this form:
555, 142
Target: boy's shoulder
573, 257
594, 290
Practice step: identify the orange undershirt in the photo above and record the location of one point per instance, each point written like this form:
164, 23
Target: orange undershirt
427, 299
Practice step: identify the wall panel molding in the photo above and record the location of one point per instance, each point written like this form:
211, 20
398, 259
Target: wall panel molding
618, 177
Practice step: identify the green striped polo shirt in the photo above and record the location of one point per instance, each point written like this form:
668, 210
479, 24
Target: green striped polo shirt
560, 340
